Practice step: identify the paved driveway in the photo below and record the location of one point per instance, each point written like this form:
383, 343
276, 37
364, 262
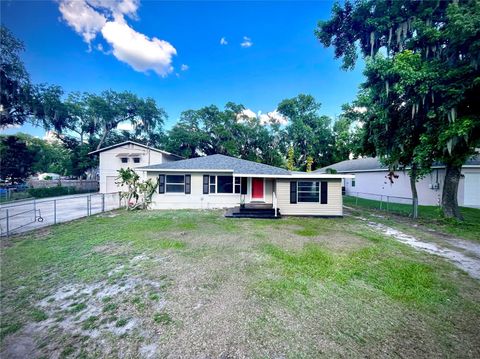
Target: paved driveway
26, 215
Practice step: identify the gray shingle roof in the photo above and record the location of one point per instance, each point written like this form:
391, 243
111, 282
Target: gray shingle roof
219, 162
371, 164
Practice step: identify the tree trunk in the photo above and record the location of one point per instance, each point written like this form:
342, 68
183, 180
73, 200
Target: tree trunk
413, 187
450, 191
413, 182
102, 139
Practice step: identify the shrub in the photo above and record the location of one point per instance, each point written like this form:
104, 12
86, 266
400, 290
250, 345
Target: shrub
53, 191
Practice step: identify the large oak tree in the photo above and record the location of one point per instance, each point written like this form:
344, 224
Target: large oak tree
423, 79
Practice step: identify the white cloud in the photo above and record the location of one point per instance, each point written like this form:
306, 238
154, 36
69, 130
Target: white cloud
223, 41
270, 118
89, 17
137, 50
184, 67
246, 115
360, 109
125, 126
247, 42
82, 18
273, 117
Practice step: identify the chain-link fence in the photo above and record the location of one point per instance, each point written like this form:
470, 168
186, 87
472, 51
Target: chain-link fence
400, 205
31, 214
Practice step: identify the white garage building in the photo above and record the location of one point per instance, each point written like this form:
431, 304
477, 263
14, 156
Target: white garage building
127, 154
371, 180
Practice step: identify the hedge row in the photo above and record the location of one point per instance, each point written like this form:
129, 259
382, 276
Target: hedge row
53, 191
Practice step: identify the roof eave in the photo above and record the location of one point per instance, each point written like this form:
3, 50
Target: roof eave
137, 144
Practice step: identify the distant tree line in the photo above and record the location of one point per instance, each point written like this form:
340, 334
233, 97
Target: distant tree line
84, 122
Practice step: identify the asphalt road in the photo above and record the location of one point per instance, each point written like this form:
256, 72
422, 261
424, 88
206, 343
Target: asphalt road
31, 214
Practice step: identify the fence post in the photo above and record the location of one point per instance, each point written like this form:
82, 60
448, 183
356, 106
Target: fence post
88, 211
415, 208
119, 200
34, 210
8, 225
388, 201
381, 200
356, 200
54, 211
103, 202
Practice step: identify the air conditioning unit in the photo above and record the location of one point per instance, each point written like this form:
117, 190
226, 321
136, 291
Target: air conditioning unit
434, 186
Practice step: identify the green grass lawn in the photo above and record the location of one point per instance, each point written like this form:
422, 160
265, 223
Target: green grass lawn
195, 284
428, 215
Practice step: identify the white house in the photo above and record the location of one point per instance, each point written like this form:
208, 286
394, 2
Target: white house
371, 180
219, 181
123, 155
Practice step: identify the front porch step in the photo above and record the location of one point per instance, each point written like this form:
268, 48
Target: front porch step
238, 212
258, 205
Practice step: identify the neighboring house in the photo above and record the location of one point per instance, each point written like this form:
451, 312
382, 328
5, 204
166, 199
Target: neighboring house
123, 155
371, 178
220, 181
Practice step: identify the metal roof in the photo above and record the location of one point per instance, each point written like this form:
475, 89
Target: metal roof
374, 164
136, 144
218, 163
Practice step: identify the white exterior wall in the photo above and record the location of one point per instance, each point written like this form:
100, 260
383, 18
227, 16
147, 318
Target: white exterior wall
110, 163
197, 200
377, 183
333, 207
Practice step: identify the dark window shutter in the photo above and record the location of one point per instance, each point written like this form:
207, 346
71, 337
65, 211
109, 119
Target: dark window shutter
324, 193
293, 191
244, 185
205, 184
161, 184
188, 181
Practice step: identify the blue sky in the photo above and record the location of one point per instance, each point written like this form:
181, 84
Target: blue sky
285, 58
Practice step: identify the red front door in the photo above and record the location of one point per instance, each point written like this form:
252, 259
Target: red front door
257, 188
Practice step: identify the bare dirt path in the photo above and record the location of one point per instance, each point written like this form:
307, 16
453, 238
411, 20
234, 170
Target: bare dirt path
462, 253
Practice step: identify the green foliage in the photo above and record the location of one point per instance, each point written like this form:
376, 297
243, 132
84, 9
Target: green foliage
162, 318
77, 307
14, 81
291, 159
7, 328
121, 322
309, 164
401, 279
53, 191
308, 132
110, 108
17, 159
428, 215
51, 157
90, 323
210, 130
139, 193
422, 97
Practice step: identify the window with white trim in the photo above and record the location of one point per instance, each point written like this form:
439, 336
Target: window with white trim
124, 159
308, 191
223, 184
238, 185
175, 184
136, 159
213, 184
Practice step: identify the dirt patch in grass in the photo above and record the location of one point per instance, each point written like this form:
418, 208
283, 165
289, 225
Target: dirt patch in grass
194, 284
